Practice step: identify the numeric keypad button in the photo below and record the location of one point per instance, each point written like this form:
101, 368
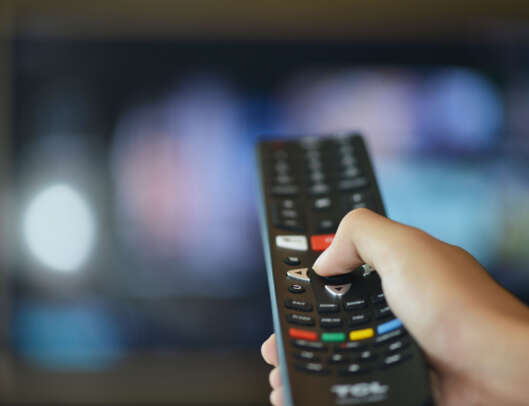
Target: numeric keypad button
398, 345
366, 355
353, 369
313, 368
395, 359
338, 358
307, 356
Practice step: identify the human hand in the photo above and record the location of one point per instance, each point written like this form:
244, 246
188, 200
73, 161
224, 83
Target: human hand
474, 333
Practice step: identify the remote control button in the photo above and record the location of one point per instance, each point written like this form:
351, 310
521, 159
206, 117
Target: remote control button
309, 343
313, 368
338, 359
305, 336
300, 319
347, 160
366, 356
351, 346
338, 290
283, 179
355, 304
290, 225
289, 213
361, 334
281, 166
330, 322
317, 176
383, 312
321, 242
299, 274
293, 261
395, 359
328, 308
322, 203
359, 319
357, 197
332, 337
292, 242
300, 305
295, 288
355, 183
388, 326
378, 298
353, 369
319, 189
287, 204
306, 356
350, 172
326, 226
384, 338
398, 345
285, 190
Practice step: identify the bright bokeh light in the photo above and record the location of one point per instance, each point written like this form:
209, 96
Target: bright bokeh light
59, 228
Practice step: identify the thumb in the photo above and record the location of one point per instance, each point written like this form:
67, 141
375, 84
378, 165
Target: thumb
363, 237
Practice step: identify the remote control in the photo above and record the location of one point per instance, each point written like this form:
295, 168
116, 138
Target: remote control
338, 341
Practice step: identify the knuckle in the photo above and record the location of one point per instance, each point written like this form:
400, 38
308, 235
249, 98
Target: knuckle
354, 215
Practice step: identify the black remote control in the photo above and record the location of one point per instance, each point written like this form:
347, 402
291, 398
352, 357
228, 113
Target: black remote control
338, 341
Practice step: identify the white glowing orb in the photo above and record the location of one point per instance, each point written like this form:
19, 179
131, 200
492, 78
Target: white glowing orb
59, 228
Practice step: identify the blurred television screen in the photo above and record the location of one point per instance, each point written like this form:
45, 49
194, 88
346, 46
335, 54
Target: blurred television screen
149, 147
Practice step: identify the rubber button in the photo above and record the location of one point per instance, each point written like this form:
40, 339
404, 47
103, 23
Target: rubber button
295, 288
293, 261
320, 242
381, 339
388, 326
328, 308
303, 335
300, 305
299, 274
333, 337
292, 242
355, 304
359, 319
300, 319
361, 334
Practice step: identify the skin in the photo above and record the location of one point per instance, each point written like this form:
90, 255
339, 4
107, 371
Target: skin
475, 334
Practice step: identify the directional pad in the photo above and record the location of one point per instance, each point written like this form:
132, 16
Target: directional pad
300, 274
338, 290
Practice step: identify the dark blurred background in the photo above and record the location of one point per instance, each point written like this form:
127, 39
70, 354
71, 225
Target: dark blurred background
132, 269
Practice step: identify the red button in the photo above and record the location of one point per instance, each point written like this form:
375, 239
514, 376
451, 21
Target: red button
321, 242
302, 334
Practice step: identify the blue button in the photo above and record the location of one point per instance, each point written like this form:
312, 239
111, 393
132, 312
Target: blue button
388, 326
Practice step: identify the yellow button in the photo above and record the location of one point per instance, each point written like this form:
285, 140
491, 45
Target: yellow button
361, 334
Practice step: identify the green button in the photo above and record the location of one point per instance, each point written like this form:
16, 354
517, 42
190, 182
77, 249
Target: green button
333, 337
